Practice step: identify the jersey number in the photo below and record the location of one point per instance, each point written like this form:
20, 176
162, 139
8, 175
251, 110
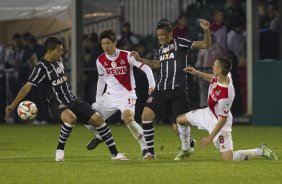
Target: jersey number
221, 139
131, 101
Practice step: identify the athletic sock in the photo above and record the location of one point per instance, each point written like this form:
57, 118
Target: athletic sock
184, 135
137, 133
247, 154
64, 134
148, 130
92, 129
106, 135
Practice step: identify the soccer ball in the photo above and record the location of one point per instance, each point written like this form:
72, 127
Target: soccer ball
27, 110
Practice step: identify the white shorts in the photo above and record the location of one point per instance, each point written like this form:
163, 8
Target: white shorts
203, 118
110, 104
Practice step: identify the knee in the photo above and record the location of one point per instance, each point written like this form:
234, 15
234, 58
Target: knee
96, 120
127, 117
148, 115
182, 120
71, 119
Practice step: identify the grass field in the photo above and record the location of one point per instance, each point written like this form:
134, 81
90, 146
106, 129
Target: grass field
27, 156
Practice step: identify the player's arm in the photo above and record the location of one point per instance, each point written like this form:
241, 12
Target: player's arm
206, 42
206, 76
22, 93
154, 64
101, 81
207, 140
147, 70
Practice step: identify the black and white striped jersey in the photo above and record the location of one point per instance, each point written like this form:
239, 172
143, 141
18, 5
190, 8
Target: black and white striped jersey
52, 77
174, 58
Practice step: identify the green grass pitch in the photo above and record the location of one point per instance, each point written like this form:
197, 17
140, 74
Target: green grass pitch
27, 156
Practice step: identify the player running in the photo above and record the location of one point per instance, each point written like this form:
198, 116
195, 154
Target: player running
115, 69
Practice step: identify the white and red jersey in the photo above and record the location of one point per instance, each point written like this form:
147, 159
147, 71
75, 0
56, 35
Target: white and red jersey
117, 72
220, 98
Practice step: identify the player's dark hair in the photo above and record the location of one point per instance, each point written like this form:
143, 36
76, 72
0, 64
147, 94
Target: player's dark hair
51, 43
164, 24
110, 34
225, 64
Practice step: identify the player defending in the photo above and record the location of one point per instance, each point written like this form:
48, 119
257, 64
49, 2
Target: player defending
65, 107
171, 89
115, 68
217, 118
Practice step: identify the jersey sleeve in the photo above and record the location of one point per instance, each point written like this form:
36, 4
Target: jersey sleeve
145, 68
101, 80
37, 75
185, 43
224, 106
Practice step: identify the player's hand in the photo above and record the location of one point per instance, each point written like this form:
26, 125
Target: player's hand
150, 91
136, 55
9, 110
204, 24
205, 142
190, 70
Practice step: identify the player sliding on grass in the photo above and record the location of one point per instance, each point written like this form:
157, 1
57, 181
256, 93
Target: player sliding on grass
65, 107
115, 68
217, 118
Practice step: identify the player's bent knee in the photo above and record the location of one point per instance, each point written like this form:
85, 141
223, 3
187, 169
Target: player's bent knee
96, 120
227, 155
148, 114
68, 117
182, 120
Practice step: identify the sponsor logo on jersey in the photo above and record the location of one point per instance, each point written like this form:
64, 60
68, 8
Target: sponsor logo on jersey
59, 81
105, 64
167, 56
215, 94
117, 70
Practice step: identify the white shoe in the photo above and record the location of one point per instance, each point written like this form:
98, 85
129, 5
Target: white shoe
120, 156
60, 155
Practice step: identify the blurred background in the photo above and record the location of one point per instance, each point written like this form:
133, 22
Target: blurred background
249, 32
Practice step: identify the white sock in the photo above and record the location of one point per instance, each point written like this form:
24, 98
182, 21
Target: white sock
247, 154
92, 129
184, 134
137, 133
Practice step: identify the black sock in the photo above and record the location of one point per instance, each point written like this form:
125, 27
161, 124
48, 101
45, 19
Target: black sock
105, 132
149, 136
64, 134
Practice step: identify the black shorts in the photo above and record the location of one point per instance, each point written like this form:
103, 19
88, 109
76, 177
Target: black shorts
81, 109
177, 101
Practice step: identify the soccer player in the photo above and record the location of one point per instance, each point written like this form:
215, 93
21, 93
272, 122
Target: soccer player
115, 69
171, 88
66, 107
217, 118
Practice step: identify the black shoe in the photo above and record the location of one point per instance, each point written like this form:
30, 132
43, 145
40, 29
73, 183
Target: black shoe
93, 143
192, 143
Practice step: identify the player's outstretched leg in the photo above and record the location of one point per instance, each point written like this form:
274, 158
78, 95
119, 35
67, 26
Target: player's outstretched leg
262, 150
97, 139
268, 153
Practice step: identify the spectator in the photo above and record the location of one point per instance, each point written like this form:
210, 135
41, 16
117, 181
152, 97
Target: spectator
126, 37
180, 29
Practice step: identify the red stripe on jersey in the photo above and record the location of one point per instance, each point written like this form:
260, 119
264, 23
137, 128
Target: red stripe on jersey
119, 68
141, 66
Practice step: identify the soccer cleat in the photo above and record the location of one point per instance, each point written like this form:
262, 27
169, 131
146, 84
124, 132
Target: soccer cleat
120, 156
192, 145
149, 156
93, 143
267, 153
60, 155
183, 154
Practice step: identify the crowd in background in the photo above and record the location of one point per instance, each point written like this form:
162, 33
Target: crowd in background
228, 32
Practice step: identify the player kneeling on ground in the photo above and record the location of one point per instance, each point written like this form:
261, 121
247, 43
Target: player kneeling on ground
217, 118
